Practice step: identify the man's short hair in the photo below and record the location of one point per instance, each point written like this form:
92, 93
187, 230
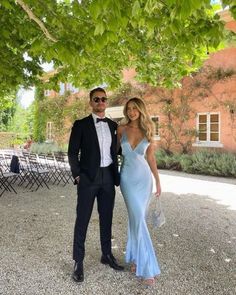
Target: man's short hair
95, 90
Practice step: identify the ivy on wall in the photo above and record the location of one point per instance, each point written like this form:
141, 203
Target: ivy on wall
178, 109
62, 111
39, 124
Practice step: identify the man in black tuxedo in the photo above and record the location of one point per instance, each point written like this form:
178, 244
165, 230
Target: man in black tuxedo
93, 161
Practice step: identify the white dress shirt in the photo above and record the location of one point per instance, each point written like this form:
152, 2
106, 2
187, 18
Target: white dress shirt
104, 139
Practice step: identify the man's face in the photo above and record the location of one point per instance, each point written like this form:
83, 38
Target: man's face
98, 102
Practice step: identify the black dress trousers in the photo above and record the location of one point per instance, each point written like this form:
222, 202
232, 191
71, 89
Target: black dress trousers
103, 188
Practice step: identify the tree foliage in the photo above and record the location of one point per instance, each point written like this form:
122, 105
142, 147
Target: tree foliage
90, 42
39, 122
22, 121
7, 110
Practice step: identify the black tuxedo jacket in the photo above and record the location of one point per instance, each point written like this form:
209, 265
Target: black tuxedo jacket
83, 150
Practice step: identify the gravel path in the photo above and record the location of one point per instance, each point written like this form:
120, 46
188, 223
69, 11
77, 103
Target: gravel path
196, 248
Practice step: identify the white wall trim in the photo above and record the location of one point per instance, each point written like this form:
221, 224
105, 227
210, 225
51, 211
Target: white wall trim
210, 144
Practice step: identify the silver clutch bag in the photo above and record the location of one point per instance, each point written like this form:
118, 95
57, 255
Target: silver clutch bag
155, 215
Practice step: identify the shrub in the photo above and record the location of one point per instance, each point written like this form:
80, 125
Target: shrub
47, 148
168, 161
161, 156
173, 162
202, 162
212, 163
186, 162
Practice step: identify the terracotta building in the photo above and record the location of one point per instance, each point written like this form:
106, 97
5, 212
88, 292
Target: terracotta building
201, 114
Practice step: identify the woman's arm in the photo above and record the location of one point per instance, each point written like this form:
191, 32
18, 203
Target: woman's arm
120, 130
153, 166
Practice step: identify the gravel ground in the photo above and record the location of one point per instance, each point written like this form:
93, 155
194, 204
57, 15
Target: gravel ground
196, 248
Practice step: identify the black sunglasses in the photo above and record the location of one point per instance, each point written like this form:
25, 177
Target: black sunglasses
99, 99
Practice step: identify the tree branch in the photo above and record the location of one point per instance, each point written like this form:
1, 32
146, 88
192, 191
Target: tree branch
36, 19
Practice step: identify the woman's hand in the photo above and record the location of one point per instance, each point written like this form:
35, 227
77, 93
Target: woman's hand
158, 189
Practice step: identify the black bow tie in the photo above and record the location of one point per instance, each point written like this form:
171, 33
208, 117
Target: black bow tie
101, 120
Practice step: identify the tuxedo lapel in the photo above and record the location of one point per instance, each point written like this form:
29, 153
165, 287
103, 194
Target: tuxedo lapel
92, 131
113, 135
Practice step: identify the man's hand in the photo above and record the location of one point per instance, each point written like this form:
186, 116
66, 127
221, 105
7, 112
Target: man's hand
77, 179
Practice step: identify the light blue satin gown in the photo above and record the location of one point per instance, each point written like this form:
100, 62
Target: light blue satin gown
136, 187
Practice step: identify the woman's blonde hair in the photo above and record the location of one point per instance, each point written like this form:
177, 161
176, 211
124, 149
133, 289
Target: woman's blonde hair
145, 122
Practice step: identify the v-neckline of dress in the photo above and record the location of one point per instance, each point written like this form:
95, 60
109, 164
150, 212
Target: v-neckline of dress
133, 149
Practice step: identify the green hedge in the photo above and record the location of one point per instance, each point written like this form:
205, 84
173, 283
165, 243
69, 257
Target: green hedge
47, 148
11, 140
6, 139
202, 162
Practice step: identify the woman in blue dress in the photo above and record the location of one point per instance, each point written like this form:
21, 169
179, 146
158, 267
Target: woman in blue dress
138, 166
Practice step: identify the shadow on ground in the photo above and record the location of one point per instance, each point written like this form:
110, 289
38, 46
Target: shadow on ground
195, 248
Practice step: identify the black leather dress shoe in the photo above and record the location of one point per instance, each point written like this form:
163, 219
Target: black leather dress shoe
111, 261
78, 274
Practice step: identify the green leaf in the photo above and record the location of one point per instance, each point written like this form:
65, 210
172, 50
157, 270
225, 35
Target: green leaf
136, 9
185, 9
111, 36
95, 9
6, 4
5, 33
124, 21
233, 11
196, 4
170, 2
113, 25
99, 29
148, 6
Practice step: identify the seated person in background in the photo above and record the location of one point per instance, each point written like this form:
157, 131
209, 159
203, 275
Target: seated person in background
28, 143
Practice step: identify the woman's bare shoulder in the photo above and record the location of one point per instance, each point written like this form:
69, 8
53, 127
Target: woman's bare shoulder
152, 146
121, 128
